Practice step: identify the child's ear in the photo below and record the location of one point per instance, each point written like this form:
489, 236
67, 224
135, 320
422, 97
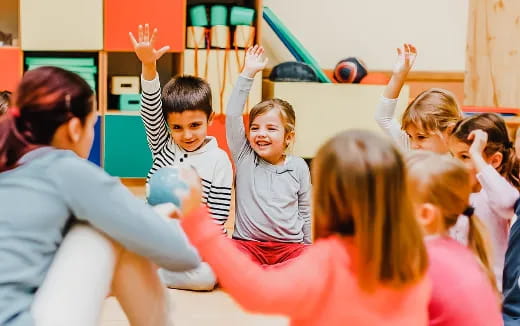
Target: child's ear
426, 215
289, 137
495, 159
74, 129
210, 118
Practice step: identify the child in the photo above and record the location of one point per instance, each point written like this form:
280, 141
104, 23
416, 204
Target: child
464, 291
511, 285
272, 188
368, 265
5, 97
428, 119
482, 143
45, 186
177, 131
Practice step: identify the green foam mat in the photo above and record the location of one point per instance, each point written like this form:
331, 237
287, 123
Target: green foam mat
51, 61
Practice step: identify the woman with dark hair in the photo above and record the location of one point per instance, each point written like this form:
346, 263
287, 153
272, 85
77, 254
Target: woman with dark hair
55, 274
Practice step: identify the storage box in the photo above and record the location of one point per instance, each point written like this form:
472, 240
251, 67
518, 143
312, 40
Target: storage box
124, 85
129, 102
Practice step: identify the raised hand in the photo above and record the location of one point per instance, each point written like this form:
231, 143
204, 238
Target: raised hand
254, 61
479, 143
405, 59
145, 51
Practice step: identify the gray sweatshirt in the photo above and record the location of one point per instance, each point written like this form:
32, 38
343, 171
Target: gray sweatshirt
272, 202
52, 188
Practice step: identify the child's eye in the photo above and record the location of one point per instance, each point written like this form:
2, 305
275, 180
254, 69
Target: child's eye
254, 128
176, 127
465, 156
272, 129
422, 137
195, 125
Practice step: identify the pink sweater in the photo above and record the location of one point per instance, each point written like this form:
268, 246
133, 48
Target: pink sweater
461, 292
494, 206
317, 288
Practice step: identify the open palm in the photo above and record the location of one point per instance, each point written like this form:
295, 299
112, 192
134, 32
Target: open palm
144, 45
254, 61
405, 59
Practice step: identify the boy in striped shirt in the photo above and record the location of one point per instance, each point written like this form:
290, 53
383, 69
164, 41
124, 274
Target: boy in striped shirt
176, 125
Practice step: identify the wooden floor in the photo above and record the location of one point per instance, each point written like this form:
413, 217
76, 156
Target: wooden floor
198, 309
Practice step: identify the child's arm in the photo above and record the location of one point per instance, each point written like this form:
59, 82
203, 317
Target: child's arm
219, 197
502, 195
289, 289
108, 206
235, 130
304, 204
157, 133
386, 109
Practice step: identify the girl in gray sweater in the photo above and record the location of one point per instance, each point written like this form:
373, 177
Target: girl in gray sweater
272, 221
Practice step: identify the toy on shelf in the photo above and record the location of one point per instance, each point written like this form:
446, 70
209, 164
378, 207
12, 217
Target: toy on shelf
293, 45
243, 18
350, 70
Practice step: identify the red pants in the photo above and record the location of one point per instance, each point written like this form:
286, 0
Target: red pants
270, 253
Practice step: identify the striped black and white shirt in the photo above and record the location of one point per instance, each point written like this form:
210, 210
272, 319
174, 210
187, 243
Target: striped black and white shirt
210, 161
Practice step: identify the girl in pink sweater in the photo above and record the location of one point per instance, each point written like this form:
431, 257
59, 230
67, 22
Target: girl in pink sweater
482, 143
368, 265
463, 291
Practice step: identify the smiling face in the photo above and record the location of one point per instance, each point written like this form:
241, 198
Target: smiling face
420, 139
189, 128
268, 138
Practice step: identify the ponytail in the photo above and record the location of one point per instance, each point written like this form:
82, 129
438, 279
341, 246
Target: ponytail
479, 244
510, 167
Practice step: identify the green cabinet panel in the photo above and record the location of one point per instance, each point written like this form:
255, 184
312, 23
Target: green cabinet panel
126, 152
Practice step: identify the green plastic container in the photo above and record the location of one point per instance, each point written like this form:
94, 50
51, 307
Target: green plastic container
218, 15
198, 16
59, 61
129, 102
242, 16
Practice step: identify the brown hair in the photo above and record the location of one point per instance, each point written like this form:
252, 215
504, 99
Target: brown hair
285, 109
434, 110
498, 141
444, 182
186, 93
5, 101
359, 190
46, 98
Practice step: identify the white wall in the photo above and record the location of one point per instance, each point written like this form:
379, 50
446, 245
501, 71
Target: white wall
372, 29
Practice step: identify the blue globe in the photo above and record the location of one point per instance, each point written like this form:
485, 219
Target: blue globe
164, 185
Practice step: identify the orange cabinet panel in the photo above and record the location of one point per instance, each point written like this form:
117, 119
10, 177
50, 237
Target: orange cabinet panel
11, 62
123, 16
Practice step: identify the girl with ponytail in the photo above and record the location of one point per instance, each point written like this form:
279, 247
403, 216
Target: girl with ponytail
482, 143
463, 282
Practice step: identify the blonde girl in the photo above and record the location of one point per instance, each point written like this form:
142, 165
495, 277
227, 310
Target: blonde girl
464, 289
429, 118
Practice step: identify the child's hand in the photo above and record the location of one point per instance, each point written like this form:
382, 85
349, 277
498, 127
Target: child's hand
479, 143
144, 47
191, 199
253, 61
405, 59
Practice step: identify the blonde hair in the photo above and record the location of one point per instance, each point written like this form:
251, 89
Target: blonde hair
444, 182
359, 190
434, 111
285, 109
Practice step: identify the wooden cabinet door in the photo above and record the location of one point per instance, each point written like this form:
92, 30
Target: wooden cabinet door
12, 69
61, 25
123, 16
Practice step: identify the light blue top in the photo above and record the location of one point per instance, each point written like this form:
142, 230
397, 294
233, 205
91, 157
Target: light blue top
52, 188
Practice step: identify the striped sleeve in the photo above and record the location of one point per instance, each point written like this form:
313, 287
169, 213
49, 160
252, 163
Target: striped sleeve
151, 113
217, 192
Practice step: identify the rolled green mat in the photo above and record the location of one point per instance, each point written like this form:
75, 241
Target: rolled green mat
242, 16
129, 102
59, 61
218, 15
198, 16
